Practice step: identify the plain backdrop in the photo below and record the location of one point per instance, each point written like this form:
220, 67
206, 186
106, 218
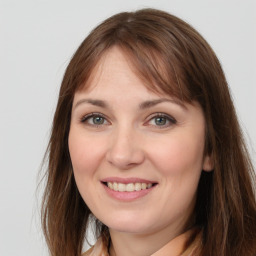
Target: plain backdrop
37, 40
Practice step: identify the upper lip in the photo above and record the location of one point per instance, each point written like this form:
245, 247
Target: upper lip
127, 180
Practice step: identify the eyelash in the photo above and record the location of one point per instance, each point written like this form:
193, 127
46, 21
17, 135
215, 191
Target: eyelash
168, 119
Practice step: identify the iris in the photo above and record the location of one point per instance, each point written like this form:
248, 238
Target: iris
160, 120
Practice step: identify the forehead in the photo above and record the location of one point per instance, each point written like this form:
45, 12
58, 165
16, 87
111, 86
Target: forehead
126, 62
112, 71
144, 66
114, 80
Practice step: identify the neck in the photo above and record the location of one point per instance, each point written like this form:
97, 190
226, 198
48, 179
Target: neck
126, 244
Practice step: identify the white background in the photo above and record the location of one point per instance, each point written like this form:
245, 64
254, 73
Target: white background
37, 39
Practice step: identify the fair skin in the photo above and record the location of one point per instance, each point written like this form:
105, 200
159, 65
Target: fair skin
123, 133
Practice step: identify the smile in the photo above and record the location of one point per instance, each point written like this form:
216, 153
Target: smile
130, 187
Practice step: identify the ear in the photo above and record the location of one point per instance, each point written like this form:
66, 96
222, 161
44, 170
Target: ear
208, 164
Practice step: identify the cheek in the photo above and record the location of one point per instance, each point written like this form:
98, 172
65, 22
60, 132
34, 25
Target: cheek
179, 163
86, 153
178, 154
86, 157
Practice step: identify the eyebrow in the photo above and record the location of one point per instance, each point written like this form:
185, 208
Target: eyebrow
144, 105
99, 103
152, 103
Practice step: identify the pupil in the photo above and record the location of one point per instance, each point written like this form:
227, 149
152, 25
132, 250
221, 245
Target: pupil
98, 120
160, 120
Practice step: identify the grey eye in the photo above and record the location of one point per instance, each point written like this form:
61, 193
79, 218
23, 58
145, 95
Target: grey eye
98, 120
94, 120
160, 120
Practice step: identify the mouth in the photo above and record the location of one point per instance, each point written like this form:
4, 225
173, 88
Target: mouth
129, 187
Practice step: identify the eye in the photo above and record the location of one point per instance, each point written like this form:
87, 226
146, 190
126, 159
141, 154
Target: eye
94, 119
161, 120
98, 120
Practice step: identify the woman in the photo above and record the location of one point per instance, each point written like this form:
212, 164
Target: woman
146, 144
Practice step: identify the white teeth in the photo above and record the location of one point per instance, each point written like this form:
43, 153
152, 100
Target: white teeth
110, 185
115, 186
121, 187
143, 186
149, 185
130, 187
137, 186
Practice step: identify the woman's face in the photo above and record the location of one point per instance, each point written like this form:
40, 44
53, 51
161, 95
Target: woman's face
137, 156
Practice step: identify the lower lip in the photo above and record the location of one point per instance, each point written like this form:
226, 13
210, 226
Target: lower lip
127, 196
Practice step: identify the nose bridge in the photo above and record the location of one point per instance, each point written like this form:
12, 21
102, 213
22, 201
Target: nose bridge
125, 150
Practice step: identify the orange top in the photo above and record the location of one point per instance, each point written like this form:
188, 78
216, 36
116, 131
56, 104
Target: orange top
177, 246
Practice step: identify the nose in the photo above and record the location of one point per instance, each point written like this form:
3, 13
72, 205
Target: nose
125, 150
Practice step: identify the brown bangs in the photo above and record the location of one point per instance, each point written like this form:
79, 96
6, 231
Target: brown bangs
156, 59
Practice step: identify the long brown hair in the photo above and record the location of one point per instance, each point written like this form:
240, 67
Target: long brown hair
172, 58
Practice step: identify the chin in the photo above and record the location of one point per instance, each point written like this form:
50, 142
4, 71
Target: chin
128, 229
128, 225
